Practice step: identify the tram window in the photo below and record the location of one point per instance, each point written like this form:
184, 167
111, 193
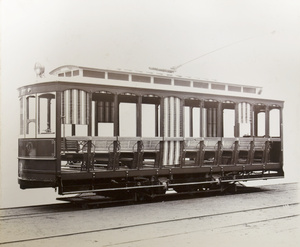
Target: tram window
275, 123
165, 81
105, 129
199, 84
117, 76
46, 114
182, 83
21, 116
191, 121
249, 90
127, 119
210, 124
148, 120
218, 87
139, 78
228, 122
204, 122
30, 116
187, 123
196, 121
66, 130
261, 120
234, 88
81, 130
74, 130
30, 107
95, 74
30, 130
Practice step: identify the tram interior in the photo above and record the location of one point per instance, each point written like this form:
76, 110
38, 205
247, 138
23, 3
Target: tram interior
139, 134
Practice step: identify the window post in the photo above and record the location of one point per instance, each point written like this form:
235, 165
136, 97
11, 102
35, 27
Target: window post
191, 121
89, 112
139, 116
219, 120
236, 126
116, 115
267, 122
58, 122
201, 118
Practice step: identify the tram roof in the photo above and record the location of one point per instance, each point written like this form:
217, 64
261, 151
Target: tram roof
149, 80
142, 78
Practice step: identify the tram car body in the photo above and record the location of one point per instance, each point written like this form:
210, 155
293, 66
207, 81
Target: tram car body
116, 132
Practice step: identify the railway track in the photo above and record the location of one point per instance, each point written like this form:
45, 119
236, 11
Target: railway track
84, 202
199, 217
178, 224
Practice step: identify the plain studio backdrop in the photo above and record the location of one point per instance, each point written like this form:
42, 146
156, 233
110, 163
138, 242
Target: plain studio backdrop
253, 42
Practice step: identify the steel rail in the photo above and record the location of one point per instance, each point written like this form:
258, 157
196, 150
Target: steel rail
162, 222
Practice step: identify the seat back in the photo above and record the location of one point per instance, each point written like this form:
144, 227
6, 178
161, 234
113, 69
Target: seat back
228, 143
211, 143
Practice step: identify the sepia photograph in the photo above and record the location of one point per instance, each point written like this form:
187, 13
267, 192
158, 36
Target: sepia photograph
141, 123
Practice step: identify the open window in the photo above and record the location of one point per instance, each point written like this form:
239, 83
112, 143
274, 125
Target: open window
192, 118
228, 118
210, 118
128, 114
150, 115
259, 120
127, 119
103, 107
261, 124
275, 122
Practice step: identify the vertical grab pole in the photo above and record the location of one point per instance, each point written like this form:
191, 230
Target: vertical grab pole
281, 135
96, 117
156, 120
251, 120
201, 118
58, 122
89, 113
90, 157
139, 126
162, 130
267, 122
219, 120
191, 121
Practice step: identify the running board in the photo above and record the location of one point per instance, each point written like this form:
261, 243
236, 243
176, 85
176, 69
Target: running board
113, 189
249, 179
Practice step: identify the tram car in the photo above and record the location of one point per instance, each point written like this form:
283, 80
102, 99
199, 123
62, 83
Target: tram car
121, 133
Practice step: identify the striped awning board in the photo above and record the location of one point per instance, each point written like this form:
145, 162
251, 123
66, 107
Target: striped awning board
75, 107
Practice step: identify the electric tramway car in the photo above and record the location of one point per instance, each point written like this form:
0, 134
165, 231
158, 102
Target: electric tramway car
116, 132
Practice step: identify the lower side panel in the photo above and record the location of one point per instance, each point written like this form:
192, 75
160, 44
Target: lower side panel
34, 173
